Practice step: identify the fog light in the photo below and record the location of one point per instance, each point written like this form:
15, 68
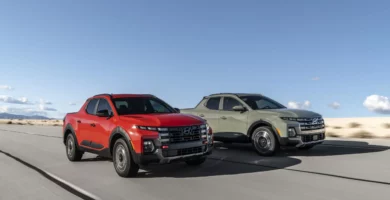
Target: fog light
291, 132
148, 146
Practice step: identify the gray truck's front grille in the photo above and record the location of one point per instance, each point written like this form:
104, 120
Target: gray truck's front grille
308, 124
181, 134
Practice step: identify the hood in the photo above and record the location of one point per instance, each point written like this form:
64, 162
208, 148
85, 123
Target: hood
163, 120
292, 113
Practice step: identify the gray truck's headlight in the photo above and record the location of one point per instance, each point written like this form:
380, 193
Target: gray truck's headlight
291, 132
289, 118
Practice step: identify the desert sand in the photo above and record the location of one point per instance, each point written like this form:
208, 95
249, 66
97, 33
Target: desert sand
31, 122
378, 127
367, 127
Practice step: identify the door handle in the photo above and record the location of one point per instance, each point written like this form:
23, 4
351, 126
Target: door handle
93, 125
78, 121
223, 117
201, 115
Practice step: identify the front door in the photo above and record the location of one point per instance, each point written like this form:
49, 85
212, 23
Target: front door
233, 124
86, 124
102, 126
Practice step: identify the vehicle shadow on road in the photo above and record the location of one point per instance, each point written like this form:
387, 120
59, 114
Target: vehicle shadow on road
328, 148
232, 159
215, 166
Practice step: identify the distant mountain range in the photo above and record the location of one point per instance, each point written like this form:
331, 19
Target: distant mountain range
12, 116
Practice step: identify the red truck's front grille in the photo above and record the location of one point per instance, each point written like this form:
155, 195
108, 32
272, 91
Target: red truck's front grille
181, 134
182, 152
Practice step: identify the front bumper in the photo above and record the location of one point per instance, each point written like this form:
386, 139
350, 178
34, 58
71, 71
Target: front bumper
175, 152
305, 138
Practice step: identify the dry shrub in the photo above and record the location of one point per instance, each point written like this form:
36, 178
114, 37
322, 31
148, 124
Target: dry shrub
9, 122
386, 125
20, 123
331, 134
363, 134
354, 125
337, 127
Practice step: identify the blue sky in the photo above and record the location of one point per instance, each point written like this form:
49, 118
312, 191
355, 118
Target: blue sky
66, 51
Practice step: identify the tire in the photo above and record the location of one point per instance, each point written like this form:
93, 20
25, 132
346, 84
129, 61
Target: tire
306, 147
196, 161
72, 152
123, 161
264, 141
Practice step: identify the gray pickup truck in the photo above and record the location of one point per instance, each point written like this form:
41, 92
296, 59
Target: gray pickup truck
257, 119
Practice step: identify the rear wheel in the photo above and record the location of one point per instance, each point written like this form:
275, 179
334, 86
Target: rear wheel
196, 161
72, 152
264, 141
123, 161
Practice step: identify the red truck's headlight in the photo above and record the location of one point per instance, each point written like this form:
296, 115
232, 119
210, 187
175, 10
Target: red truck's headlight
148, 146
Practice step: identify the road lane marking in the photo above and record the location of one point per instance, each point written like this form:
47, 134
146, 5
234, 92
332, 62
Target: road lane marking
55, 179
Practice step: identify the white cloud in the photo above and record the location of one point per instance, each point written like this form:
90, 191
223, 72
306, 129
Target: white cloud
378, 104
9, 99
42, 107
315, 78
335, 105
22, 111
298, 105
6, 87
45, 102
72, 103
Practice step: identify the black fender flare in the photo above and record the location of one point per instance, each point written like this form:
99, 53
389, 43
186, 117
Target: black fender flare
119, 131
260, 122
67, 128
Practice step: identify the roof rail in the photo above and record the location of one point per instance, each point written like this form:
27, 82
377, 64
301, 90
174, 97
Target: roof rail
104, 94
223, 93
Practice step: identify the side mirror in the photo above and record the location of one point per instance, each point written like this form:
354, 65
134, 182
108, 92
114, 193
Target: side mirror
239, 108
103, 113
177, 109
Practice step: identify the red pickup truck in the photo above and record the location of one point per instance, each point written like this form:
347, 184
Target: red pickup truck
135, 130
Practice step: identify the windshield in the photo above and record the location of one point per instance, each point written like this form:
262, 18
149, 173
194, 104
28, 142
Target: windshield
141, 105
261, 102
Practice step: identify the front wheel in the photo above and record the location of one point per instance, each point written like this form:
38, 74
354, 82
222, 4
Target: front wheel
123, 161
264, 141
196, 161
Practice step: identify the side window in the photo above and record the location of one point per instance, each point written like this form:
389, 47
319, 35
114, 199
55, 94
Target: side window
104, 105
91, 106
229, 103
213, 103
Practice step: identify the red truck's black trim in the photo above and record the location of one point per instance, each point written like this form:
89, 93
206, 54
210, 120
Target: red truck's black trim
91, 144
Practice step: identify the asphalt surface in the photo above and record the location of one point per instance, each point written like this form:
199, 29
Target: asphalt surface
339, 169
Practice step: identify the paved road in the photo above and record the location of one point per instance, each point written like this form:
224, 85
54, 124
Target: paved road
339, 169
